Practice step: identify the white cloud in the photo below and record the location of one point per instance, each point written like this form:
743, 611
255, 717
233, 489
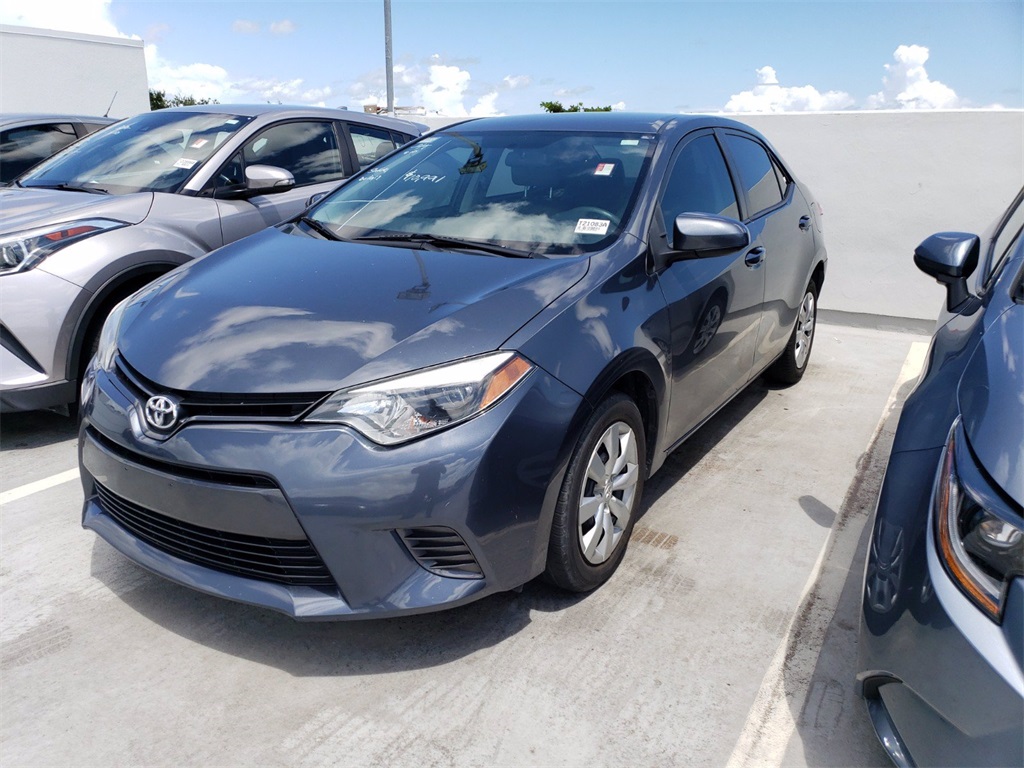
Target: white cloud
203, 81
906, 84
90, 17
769, 96
245, 27
517, 81
619, 106
441, 89
283, 27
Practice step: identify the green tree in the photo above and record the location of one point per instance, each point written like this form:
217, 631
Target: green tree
556, 106
159, 100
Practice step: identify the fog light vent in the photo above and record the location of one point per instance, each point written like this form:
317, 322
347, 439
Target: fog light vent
441, 551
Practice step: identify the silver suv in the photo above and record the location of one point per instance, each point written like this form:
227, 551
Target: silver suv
94, 223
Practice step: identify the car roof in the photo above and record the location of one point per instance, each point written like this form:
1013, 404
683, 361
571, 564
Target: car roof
627, 122
279, 110
10, 118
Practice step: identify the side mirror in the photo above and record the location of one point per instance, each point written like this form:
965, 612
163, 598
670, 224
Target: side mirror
950, 257
702, 234
264, 179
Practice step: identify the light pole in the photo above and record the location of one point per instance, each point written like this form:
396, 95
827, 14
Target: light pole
388, 67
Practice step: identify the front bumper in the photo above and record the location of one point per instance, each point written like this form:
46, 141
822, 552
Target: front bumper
223, 507
943, 683
38, 310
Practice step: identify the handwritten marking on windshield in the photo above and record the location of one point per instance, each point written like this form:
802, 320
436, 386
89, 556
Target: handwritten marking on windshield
414, 178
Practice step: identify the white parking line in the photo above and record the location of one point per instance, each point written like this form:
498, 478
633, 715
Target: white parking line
772, 720
39, 485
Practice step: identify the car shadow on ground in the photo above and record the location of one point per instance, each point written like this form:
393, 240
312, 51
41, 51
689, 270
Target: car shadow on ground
831, 719
703, 442
35, 429
381, 645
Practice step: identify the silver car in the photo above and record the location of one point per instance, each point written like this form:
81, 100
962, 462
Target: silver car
91, 225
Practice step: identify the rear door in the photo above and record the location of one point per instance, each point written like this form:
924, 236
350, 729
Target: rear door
311, 150
714, 302
780, 225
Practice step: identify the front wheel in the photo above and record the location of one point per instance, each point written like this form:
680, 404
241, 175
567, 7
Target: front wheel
789, 368
600, 498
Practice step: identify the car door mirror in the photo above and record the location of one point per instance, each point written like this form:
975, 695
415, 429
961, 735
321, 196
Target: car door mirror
265, 179
704, 234
950, 257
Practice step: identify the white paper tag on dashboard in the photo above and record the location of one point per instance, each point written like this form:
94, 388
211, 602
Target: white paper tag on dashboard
592, 226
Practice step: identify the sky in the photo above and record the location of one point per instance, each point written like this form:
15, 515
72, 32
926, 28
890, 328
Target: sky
486, 57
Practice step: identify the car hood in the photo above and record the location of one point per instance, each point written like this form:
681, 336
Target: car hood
991, 398
281, 313
25, 208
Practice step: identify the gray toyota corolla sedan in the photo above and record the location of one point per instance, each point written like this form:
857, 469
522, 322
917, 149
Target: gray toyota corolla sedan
106, 215
942, 636
454, 373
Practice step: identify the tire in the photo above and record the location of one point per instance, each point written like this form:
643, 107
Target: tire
598, 503
789, 368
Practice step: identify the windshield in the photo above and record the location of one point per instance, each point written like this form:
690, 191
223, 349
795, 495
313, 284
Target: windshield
542, 192
153, 152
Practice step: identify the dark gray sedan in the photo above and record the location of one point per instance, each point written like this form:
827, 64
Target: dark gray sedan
456, 372
942, 638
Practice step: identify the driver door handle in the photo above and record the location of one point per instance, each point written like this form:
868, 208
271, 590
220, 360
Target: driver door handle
754, 257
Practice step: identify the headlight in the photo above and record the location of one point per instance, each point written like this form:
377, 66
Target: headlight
20, 251
980, 543
107, 347
410, 406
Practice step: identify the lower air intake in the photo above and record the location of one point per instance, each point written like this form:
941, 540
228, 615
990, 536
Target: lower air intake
441, 551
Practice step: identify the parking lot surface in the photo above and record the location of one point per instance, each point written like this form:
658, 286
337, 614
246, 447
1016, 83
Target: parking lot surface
727, 637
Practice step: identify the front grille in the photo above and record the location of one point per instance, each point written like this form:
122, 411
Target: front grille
221, 406
441, 551
282, 561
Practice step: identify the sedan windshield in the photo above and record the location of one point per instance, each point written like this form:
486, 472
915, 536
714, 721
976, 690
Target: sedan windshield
551, 193
153, 152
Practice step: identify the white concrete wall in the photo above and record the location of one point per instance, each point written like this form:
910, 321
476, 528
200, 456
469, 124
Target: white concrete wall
887, 180
46, 71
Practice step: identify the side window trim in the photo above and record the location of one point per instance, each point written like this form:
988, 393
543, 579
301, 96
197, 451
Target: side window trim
656, 227
349, 161
210, 188
720, 133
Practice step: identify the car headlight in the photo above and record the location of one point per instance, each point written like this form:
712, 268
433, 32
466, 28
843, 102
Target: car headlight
980, 543
410, 406
20, 251
107, 346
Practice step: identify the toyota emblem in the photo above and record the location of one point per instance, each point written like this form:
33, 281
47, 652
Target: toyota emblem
161, 412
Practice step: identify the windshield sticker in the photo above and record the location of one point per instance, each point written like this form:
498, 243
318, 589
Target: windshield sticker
199, 143
629, 143
592, 226
414, 178
185, 163
604, 169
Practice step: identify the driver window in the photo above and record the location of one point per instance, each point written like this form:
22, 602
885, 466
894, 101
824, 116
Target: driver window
309, 150
698, 182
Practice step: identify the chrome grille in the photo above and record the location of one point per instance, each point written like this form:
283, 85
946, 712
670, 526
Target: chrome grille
282, 561
441, 551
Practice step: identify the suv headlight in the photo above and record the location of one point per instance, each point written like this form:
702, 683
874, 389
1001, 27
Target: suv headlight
980, 541
20, 251
406, 407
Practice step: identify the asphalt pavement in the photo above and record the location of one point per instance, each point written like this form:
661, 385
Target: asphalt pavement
727, 637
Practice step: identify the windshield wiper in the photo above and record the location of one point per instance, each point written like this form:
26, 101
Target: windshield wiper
318, 227
68, 188
448, 242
